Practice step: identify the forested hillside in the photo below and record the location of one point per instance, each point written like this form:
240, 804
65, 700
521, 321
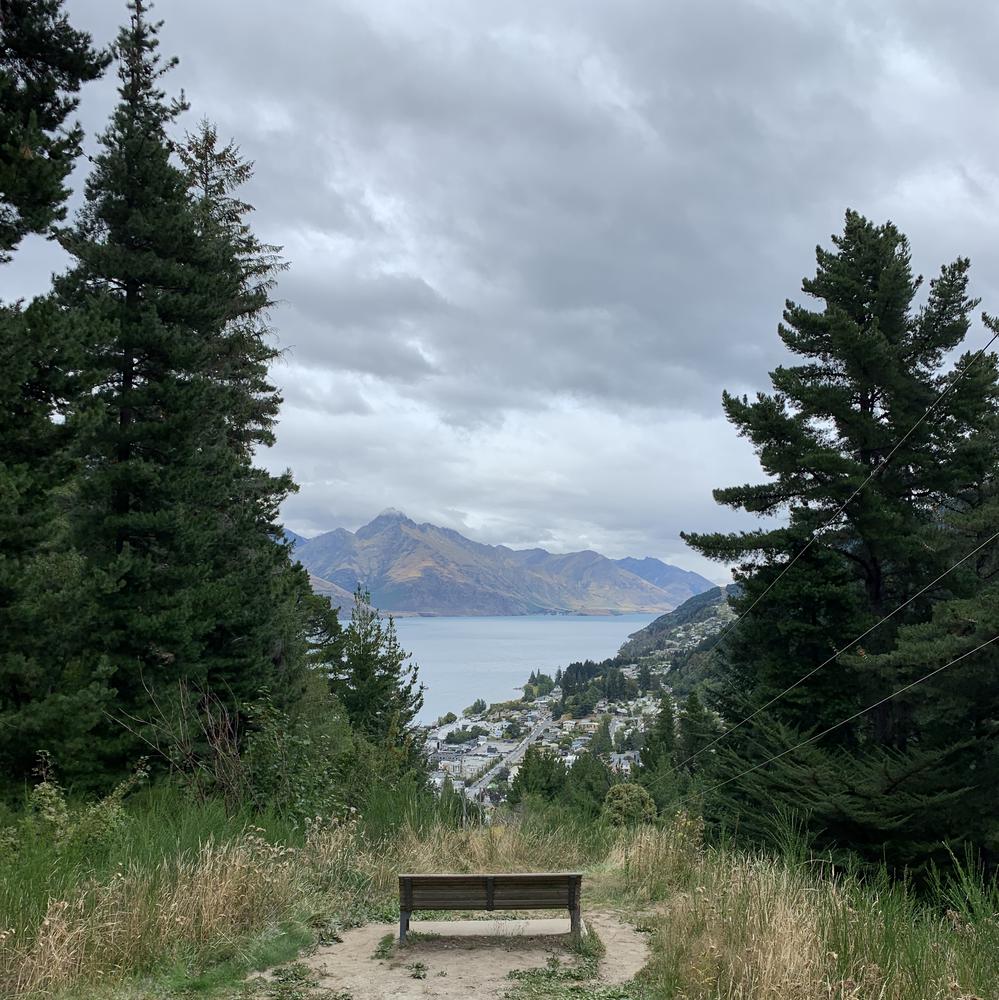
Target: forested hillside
657, 635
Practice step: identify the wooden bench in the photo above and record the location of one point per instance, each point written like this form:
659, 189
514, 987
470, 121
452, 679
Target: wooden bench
520, 891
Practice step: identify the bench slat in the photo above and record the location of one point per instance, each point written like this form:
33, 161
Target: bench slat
489, 891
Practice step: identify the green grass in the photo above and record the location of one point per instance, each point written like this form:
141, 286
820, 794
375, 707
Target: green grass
385, 948
722, 924
571, 976
121, 869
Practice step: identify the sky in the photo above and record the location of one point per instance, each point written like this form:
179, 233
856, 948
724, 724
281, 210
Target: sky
532, 242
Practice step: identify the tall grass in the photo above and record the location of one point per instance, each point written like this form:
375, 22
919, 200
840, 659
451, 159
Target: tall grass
733, 925
171, 881
176, 883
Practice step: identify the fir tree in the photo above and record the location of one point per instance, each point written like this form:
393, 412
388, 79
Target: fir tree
43, 63
698, 728
658, 754
644, 678
167, 511
586, 785
601, 742
541, 774
374, 682
873, 365
660, 739
263, 602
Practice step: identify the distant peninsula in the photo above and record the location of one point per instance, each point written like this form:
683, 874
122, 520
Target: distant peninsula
425, 569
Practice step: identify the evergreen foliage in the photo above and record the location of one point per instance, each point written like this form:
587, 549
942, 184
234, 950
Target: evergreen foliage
542, 774
44, 61
660, 738
659, 755
698, 728
601, 741
377, 687
154, 349
586, 785
873, 365
174, 523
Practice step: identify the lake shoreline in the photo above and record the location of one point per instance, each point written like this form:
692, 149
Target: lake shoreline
462, 658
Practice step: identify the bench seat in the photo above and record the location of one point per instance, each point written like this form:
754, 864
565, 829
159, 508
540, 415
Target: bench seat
507, 891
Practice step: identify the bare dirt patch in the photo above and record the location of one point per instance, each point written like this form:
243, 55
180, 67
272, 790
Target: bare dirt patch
452, 959
626, 949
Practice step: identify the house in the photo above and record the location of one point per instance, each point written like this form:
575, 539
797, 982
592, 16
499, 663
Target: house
623, 763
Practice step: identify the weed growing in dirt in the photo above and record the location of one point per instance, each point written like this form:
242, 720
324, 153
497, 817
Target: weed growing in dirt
291, 982
417, 970
384, 948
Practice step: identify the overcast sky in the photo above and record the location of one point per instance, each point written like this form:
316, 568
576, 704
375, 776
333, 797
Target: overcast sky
531, 242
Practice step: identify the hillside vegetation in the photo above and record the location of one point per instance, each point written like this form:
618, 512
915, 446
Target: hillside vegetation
180, 898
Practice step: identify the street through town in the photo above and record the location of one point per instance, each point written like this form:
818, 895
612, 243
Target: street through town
515, 756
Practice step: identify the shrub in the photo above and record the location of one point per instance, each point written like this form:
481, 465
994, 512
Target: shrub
629, 805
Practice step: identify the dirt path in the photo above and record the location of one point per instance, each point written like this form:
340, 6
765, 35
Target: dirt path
627, 950
452, 959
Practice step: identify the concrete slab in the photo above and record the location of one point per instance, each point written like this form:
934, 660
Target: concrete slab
492, 928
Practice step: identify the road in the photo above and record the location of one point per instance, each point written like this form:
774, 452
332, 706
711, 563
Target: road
513, 757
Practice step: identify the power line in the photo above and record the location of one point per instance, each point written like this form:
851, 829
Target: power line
936, 402
843, 722
839, 652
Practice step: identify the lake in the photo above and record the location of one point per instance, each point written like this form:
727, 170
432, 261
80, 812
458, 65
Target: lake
462, 659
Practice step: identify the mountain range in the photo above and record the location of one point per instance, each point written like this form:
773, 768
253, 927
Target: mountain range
425, 569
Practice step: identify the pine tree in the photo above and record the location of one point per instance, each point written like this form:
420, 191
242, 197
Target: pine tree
541, 774
43, 63
586, 785
660, 739
698, 728
263, 601
377, 687
601, 742
873, 365
166, 505
644, 678
955, 715
658, 754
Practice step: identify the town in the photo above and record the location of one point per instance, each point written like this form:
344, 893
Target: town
599, 708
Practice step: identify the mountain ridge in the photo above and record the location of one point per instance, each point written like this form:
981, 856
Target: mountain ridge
426, 569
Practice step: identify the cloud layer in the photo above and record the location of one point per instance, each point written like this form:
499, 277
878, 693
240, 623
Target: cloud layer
531, 243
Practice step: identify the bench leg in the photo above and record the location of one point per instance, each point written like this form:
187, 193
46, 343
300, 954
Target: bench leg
403, 925
575, 922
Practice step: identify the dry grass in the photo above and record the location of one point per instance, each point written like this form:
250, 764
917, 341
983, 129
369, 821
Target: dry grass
201, 907
726, 927
514, 846
734, 927
138, 919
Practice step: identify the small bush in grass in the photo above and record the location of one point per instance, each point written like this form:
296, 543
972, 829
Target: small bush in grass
629, 805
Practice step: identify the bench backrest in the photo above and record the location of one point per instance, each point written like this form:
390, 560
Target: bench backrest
520, 891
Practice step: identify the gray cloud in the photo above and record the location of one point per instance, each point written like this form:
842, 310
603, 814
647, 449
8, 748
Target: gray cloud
531, 243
